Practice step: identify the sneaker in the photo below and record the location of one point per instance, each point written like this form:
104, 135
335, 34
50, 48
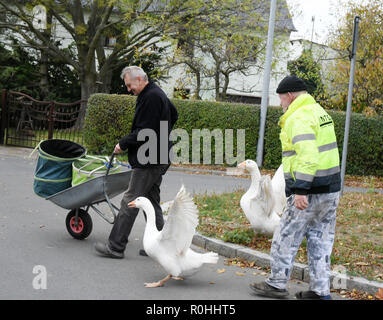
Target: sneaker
142, 252
311, 295
264, 289
106, 251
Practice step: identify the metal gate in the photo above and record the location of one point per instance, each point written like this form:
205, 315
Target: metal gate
26, 121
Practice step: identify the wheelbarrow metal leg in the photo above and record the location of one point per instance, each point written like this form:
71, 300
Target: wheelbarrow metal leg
102, 215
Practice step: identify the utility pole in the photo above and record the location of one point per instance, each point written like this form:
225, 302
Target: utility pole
312, 32
266, 82
349, 99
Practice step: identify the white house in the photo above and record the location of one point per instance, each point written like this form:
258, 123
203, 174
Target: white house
247, 89
323, 55
241, 88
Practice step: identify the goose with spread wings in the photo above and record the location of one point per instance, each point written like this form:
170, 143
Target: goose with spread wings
170, 247
265, 200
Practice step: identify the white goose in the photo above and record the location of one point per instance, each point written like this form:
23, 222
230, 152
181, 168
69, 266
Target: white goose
265, 200
170, 247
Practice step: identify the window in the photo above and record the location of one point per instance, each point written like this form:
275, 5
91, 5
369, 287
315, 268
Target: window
110, 41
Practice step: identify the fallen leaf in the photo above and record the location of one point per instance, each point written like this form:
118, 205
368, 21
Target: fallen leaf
362, 264
211, 282
239, 274
263, 273
379, 294
221, 270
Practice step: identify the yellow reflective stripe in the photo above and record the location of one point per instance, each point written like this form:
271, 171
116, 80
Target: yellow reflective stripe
323, 148
288, 153
302, 137
310, 177
304, 176
327, 147
327, 172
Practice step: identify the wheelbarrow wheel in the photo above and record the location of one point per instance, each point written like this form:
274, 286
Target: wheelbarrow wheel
84, 225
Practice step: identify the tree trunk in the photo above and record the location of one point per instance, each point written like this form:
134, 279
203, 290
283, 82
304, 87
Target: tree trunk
88, 87
105, 81
44, 60
198, 86
216, 81
44, 77
225, 86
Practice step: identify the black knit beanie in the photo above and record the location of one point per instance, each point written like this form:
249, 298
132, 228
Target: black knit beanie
291, 84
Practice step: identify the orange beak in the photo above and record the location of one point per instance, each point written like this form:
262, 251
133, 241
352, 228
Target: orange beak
242, 165
132, 204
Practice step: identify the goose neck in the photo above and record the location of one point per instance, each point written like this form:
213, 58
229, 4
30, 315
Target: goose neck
150, 219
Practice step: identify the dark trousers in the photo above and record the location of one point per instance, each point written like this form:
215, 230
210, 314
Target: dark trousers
144, 182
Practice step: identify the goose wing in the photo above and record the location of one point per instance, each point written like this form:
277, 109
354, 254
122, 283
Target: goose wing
182, 221
278, 185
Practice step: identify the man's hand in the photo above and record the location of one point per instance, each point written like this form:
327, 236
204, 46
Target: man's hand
301, 202
117, 149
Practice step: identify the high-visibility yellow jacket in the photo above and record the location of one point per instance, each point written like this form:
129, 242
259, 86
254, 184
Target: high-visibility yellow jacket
310, 154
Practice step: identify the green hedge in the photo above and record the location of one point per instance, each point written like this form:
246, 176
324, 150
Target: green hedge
109, 117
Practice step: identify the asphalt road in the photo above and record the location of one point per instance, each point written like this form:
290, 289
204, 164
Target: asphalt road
33, 233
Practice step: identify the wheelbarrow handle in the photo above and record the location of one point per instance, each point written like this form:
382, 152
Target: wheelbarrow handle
110, 163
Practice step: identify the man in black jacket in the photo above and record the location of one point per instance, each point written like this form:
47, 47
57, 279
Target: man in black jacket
155, 115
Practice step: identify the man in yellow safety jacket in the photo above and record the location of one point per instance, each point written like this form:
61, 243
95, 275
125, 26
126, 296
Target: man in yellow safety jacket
310, 161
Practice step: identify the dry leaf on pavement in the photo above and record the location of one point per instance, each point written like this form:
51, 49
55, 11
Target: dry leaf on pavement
379, 294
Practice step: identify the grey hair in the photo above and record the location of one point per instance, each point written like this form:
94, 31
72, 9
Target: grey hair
133, 72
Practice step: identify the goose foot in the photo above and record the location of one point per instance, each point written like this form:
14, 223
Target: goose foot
157, 284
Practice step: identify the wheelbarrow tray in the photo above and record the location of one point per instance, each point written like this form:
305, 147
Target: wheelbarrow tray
92, 191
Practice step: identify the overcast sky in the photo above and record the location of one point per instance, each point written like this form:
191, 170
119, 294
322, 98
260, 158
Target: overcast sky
324, 12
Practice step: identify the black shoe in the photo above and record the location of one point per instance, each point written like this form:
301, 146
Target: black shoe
143, 253
263, 289
105, 250
311, 295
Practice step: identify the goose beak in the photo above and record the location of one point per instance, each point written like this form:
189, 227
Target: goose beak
132, 204
242, 165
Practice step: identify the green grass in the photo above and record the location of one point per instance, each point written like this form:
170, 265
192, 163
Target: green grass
358, 240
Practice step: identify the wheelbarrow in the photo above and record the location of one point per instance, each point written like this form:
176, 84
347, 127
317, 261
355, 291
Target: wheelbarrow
80, 198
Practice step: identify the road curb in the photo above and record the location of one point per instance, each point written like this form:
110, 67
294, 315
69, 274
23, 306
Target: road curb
300, 272
215, 172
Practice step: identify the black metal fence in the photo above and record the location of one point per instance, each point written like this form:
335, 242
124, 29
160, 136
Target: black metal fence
26, 121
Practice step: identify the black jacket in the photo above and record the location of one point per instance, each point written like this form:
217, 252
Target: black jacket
152, 106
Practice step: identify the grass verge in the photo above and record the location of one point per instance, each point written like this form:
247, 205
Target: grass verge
358, 242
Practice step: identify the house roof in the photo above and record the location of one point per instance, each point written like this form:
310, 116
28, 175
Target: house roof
283, 17
283, 21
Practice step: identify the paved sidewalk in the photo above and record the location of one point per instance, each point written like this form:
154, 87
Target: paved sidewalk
34, 228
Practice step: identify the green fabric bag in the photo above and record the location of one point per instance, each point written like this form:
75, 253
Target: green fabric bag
90, 167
